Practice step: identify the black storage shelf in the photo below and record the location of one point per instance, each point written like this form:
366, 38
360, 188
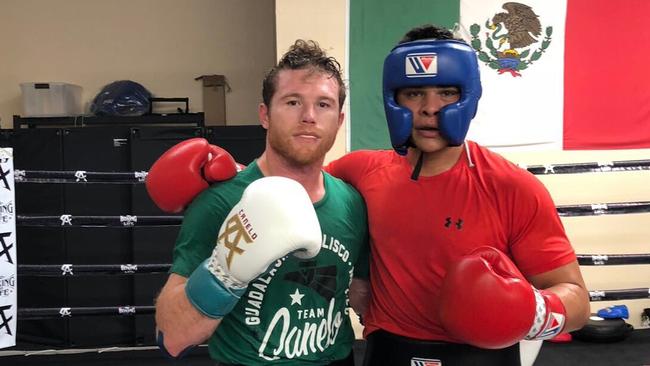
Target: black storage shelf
100, 144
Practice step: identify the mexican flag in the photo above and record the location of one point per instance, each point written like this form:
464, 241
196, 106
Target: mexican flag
559, 74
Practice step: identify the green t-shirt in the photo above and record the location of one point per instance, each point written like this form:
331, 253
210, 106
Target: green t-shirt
297, 312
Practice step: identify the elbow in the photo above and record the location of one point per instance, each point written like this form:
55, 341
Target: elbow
582, 312
586, 313
580, 319
170, 346
586, 308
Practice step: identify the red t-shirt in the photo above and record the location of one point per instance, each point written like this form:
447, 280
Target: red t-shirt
418, 227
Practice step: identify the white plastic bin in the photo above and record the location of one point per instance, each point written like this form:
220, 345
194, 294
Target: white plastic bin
52, 99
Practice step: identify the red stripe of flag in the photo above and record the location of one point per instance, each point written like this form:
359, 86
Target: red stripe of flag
606, 75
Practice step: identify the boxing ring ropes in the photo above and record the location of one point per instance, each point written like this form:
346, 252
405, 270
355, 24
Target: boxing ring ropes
129, 221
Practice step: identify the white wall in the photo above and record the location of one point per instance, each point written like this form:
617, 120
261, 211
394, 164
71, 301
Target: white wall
605, 234
163, 44
324, 22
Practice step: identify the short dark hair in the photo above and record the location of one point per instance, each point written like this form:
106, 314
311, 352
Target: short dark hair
302, 55
428, 31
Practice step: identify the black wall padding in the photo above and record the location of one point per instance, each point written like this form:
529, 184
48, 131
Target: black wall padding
118, 148
244, 143
151, 244
146, 146
98, 149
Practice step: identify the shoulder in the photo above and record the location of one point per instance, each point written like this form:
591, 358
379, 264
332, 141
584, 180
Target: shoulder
499, 170
344, 199
220, 196
511, 187
367, 157
343, 207
340, 188
357, 164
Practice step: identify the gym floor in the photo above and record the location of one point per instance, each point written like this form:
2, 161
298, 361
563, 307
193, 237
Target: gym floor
633, 351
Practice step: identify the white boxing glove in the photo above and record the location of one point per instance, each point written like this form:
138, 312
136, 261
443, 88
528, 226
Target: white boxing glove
274, 217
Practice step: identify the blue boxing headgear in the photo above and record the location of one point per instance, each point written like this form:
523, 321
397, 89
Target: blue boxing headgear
429, 63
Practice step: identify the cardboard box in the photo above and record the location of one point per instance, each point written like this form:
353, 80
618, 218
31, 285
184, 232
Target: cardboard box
214, 99
52, 99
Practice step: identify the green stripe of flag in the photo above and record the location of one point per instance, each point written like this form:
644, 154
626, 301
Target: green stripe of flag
375, 27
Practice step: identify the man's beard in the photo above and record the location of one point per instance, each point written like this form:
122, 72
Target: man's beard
299, 155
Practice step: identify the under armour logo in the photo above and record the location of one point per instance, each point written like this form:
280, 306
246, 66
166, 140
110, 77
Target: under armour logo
65, 312
66, 269
238, 228
4, 321
458, 223
81, 175
66, 220
4, 252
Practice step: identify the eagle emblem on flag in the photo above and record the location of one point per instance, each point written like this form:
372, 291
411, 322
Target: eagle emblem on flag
513, 39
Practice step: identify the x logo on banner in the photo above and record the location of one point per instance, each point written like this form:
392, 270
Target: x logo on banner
3, 176
5, 247
4, 322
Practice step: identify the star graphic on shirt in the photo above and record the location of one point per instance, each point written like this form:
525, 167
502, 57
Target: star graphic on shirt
296, 297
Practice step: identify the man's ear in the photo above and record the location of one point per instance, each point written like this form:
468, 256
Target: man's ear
263, 115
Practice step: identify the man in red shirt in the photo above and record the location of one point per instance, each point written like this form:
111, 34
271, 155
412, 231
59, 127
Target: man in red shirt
469, 255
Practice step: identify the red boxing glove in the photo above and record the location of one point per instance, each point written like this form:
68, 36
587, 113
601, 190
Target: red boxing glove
486, 302
220, 166
185, 170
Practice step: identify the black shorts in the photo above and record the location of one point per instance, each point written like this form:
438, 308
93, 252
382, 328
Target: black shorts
384, 348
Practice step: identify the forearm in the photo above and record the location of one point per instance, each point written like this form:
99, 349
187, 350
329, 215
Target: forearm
180, 323
189, 310
567, 283
359, 295
575, 299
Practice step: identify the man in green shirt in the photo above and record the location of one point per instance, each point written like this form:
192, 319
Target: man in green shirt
262, 306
